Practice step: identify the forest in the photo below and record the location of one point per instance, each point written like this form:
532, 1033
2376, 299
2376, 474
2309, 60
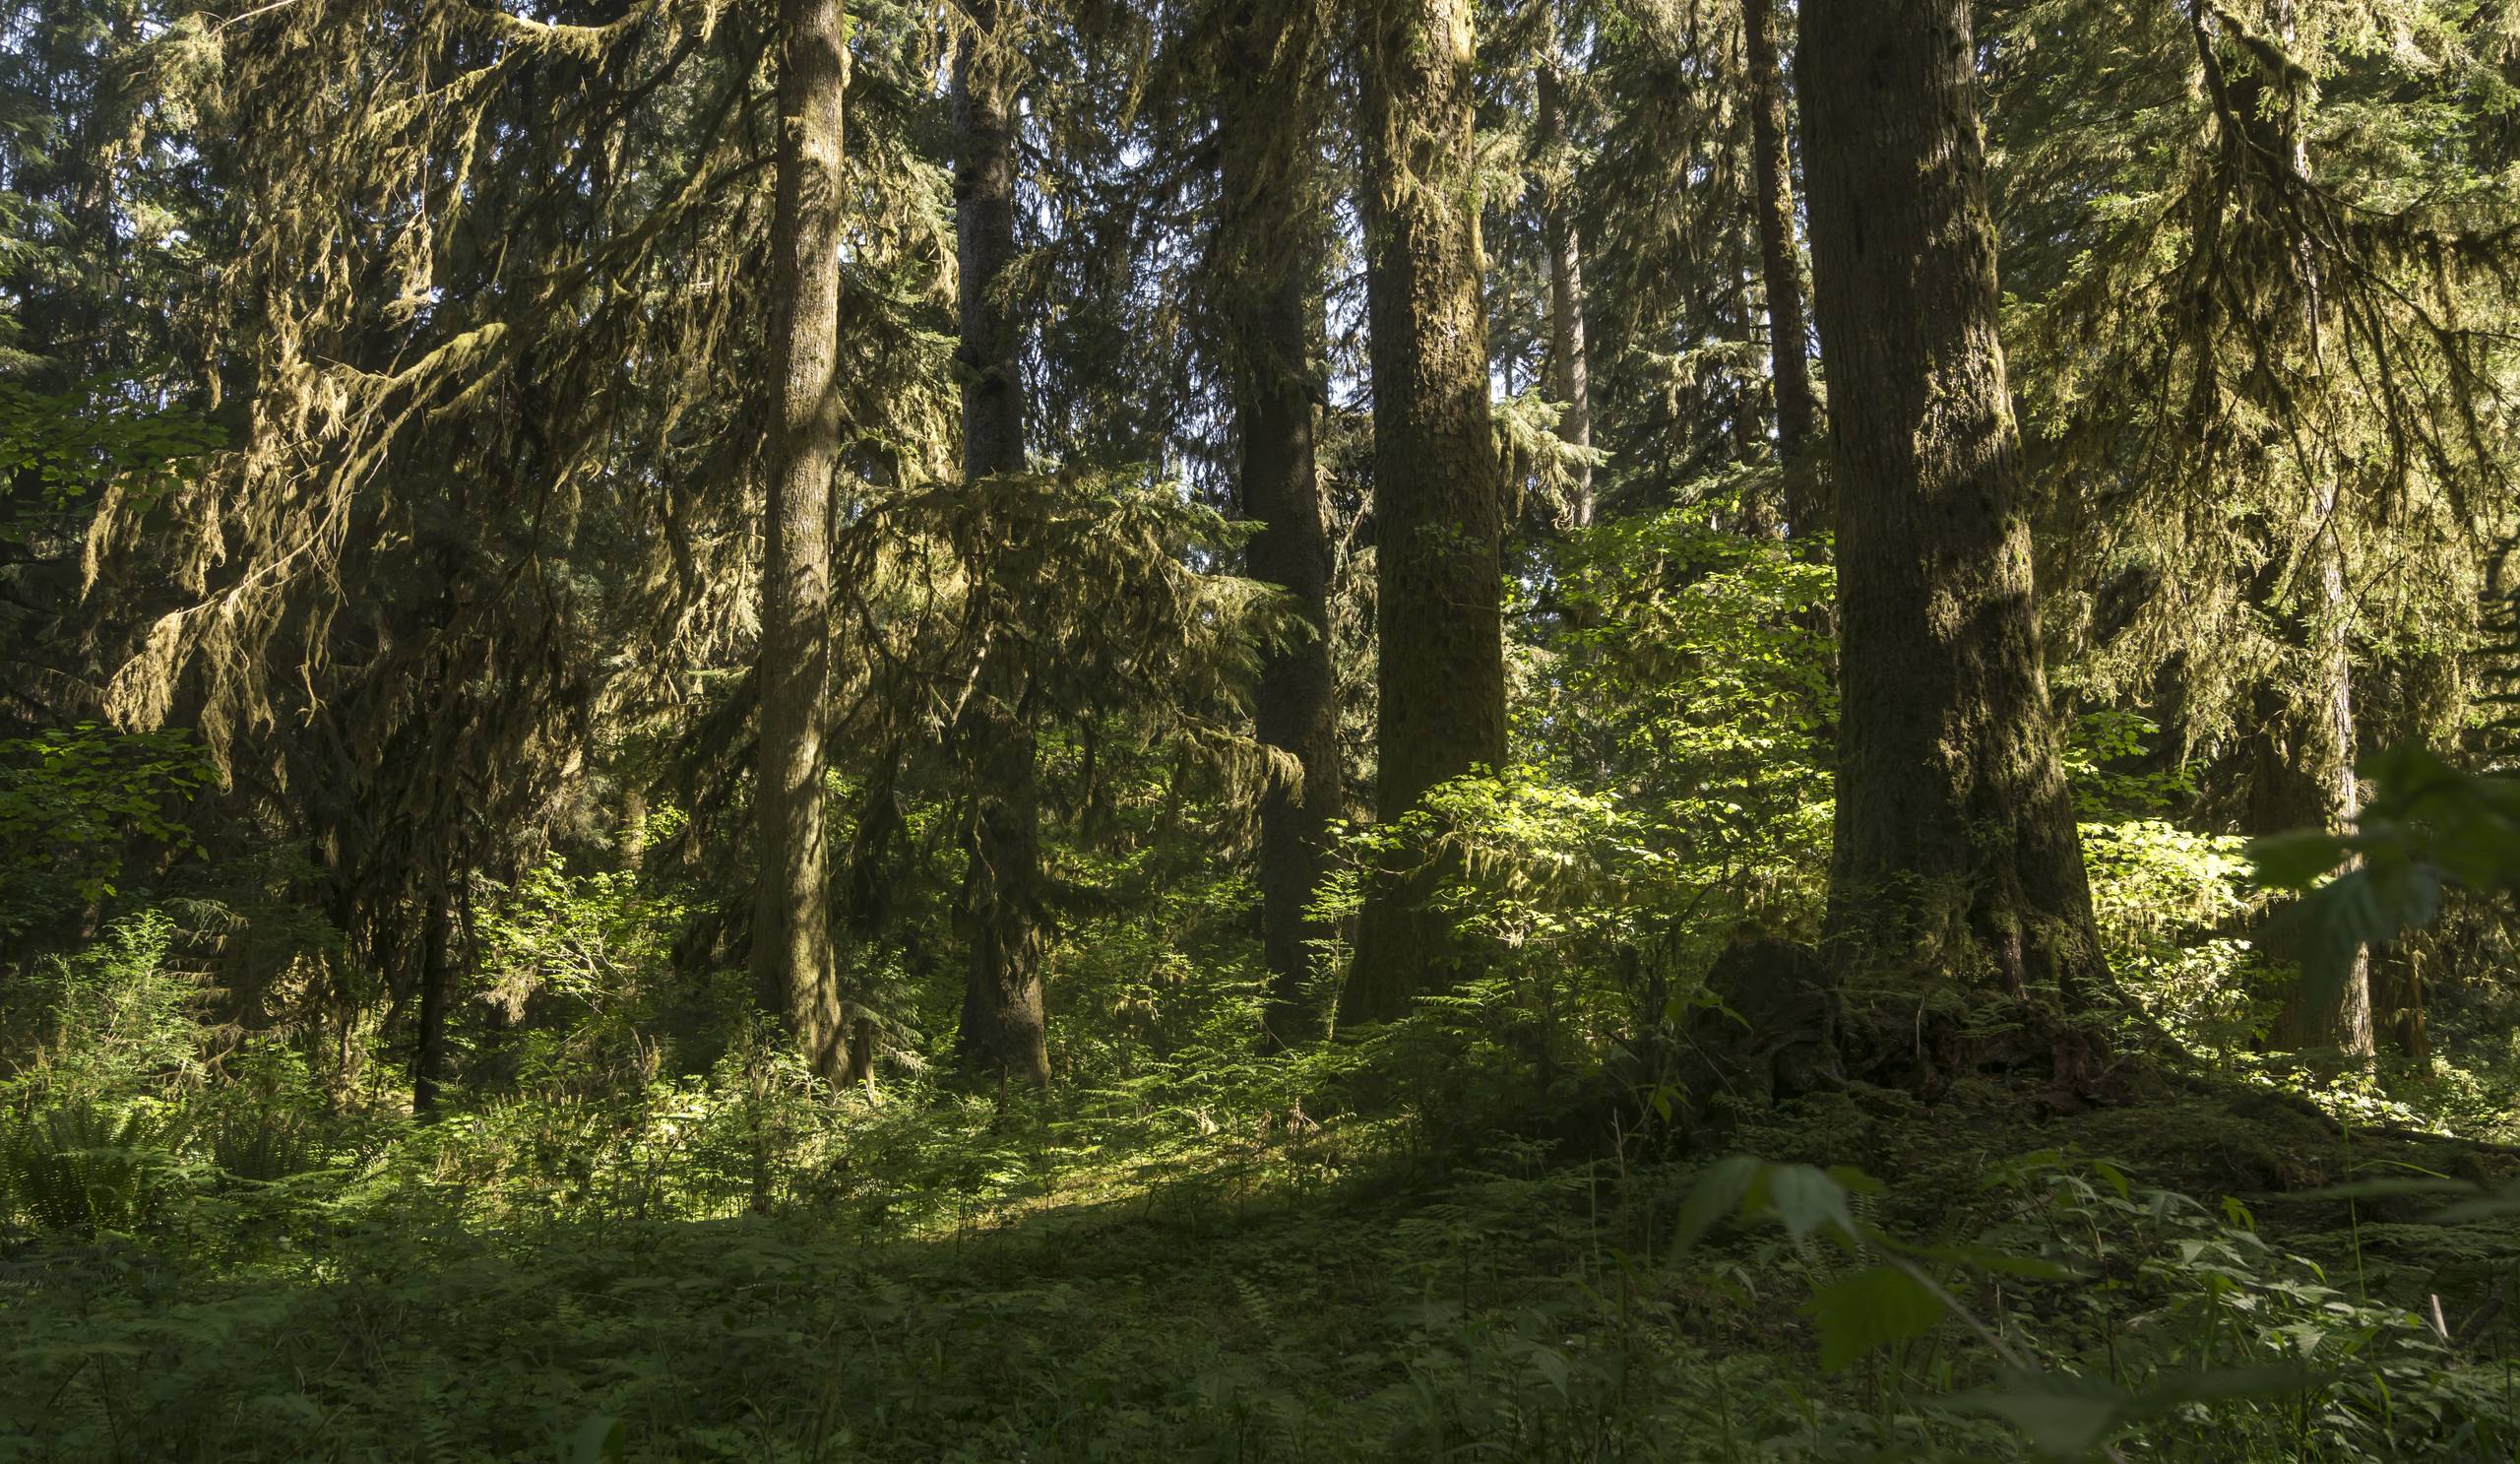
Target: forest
1259, 730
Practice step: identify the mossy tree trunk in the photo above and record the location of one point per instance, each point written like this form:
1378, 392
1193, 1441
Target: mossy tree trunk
1436, 515
2303, 778
428, 1057
2304, 751
1960, 917
792, 947
1270, 231
1002, 909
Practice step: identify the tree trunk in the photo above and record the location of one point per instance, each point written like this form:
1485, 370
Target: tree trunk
1957, 884
1269, 230
1772, 201
1438, 566
2305, 780
1571, 373
2306, 744
1001, 1031
428, 1059
791, 932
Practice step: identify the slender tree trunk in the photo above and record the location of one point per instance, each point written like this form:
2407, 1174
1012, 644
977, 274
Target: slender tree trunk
2304, 779
429, 1060
1437, 563
1958, 882
1001, 1031
630, 839
2303, 755
2313, 786
1772, 202
791, 927
1571, 373
1269, 231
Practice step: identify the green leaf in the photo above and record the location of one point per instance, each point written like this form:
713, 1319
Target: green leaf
600, 1440
1716, 1197
2505, 1201
1806, 1199
1875, 1308
2296, 862
2063, 1415
2219, 1384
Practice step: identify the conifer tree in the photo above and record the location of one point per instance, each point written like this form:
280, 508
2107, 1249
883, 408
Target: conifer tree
1958, 882
1002, 912
792, 934
1270, 234
1436, 512
1780, 261
1570, 362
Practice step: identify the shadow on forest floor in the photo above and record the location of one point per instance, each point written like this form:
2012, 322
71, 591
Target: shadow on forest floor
1496, 1306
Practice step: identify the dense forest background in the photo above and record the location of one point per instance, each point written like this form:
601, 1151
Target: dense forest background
1259, 729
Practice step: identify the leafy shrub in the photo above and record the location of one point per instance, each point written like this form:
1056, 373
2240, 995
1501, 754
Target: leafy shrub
69, 800
85, 1168
110, 1023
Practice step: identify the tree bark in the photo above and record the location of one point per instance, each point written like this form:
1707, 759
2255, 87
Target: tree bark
1957, 890
1002, 1029
791, 932
2305, 744
2304, 753
1772, 202
1269, 230
1570, 373
428, 1059
1436, 517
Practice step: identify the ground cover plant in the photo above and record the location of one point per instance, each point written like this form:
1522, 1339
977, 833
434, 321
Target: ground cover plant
1256, 730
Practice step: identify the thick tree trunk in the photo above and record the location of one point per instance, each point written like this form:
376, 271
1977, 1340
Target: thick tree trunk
1437, 565
1269, 231
429, 1059
1772, 201
791, 933
1958, 883
1001, 1031
1570, 371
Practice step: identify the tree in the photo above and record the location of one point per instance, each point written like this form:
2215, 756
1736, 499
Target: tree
1570, 368
1957, 881
1001, 1029
1436, 515
1268, 234
2265, 298
1780, 263
791, 931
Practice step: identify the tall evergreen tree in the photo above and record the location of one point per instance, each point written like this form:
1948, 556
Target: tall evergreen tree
1780, 261
1436, 515
1957, 882
792, 932
1001, 1029
1270, 236
1570, 363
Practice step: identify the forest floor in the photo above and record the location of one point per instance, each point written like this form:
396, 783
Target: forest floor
1336, 1293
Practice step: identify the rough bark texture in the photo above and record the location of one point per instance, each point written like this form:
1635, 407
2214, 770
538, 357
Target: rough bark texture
791, 933
1438, 566
1571, 373
2304, 779
1960, 916
1001, 1031
2304, 750
1797, 414
1270, 229
428, 1059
